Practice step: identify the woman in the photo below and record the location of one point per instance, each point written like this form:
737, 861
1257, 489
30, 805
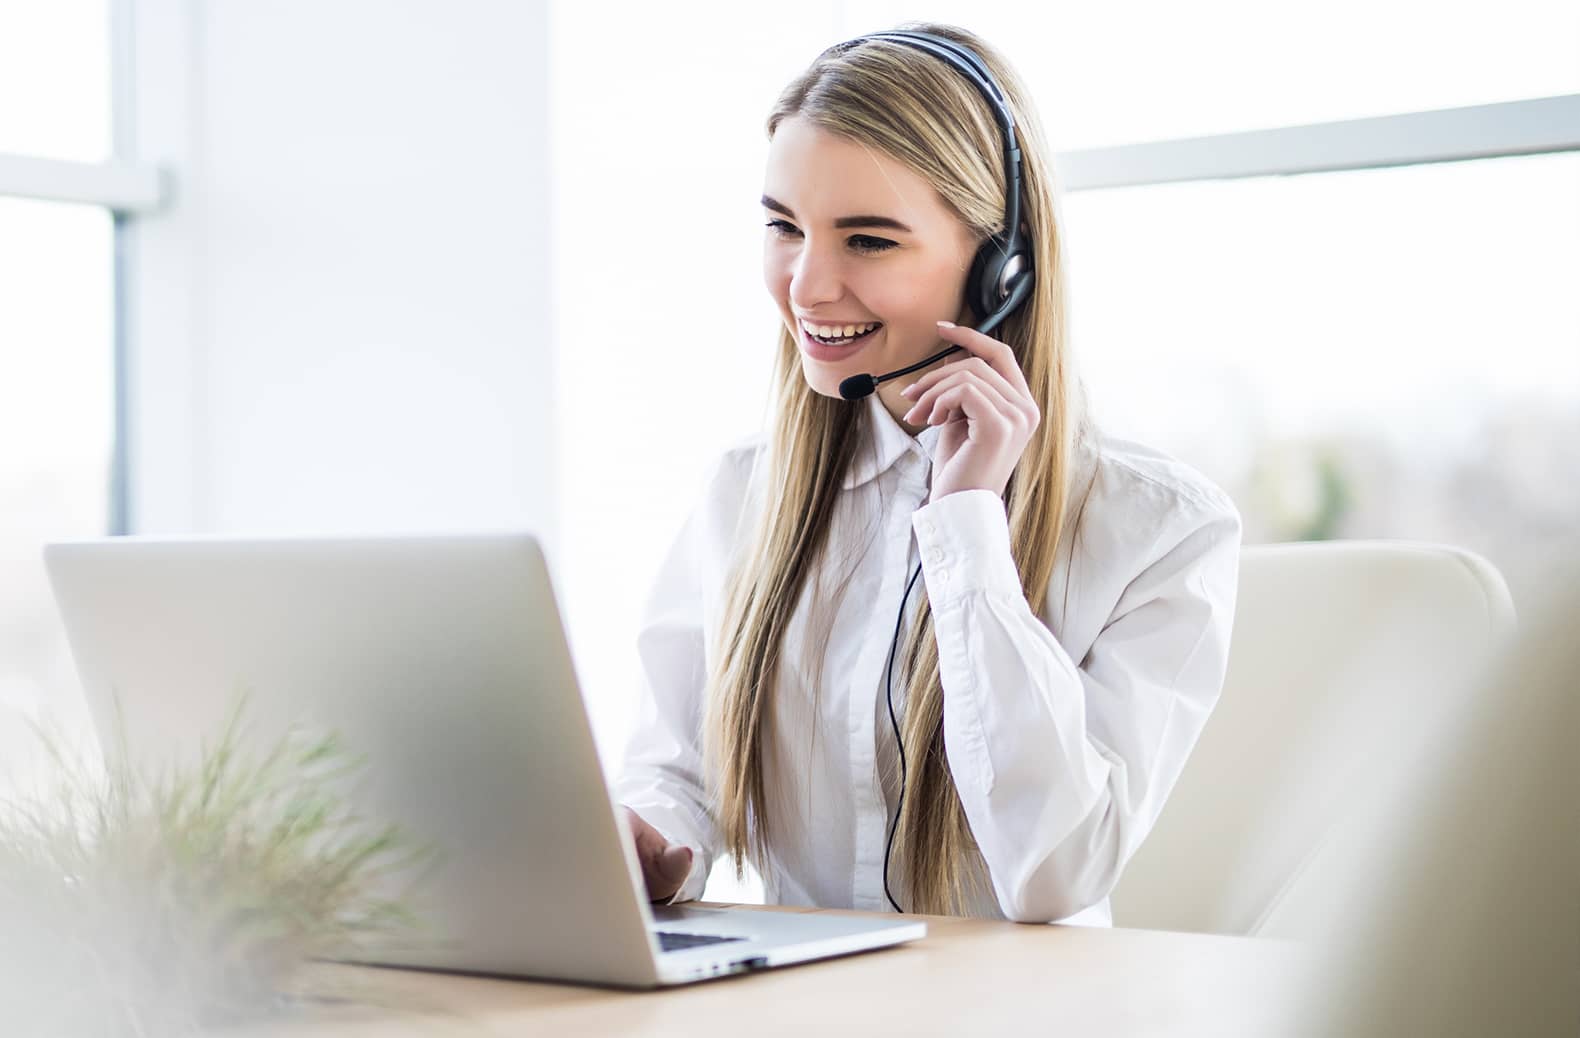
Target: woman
1069, 640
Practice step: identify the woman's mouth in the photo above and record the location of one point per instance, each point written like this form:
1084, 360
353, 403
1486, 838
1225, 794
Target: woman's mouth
833, 342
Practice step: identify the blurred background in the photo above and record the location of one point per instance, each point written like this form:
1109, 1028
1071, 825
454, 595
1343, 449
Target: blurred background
403, 265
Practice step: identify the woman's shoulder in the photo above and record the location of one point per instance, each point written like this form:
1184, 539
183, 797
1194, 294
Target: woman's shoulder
735, 468
1145, 512
732, 477
744, 451
1139, 479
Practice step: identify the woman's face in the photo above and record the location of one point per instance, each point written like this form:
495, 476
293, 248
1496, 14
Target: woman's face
856, 238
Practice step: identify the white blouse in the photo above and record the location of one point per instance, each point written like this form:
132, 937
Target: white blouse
1065, 730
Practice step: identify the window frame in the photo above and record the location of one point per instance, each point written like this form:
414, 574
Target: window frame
1533, 126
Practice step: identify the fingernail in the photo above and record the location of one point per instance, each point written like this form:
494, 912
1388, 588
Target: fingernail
946, 324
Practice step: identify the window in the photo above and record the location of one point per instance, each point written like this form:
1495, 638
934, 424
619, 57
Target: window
55, 79
1373, 353
57, 355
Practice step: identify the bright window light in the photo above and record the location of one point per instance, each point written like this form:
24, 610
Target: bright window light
1379, 353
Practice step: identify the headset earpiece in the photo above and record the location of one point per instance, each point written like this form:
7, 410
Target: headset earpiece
995, 269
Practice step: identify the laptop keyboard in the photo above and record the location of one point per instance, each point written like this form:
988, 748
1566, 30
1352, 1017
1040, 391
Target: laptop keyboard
669, 940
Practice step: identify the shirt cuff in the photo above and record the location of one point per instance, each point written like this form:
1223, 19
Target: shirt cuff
964, 542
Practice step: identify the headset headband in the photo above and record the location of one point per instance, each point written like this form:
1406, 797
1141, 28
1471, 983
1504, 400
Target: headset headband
972, 67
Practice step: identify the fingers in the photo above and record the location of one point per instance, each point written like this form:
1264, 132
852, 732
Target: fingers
997, 370
978, 365
665, 865
966, 391
986, 420
668, 873
673, 866
997, 354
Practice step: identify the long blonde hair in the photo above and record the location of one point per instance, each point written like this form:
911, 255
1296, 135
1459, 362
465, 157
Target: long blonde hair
925, 114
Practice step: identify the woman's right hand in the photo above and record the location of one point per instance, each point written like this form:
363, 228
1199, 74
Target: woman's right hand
664, 864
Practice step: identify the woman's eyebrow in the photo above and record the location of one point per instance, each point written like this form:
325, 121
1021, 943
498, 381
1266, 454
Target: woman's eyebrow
843, 221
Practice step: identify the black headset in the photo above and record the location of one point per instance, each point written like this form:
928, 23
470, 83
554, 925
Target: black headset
1000, 280
1002, 272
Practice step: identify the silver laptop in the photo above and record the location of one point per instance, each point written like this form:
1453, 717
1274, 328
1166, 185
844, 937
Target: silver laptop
441, 661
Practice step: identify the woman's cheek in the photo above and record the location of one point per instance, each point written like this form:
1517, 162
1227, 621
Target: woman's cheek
895, 293
776, 276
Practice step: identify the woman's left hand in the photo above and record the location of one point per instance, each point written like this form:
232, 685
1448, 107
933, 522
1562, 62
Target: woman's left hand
986, 411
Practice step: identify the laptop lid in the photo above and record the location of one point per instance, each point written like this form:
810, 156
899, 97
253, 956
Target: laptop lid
442, 661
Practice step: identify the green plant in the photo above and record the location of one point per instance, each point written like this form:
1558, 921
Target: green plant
139, 905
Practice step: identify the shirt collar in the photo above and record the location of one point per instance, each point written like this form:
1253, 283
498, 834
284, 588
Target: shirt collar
885, 443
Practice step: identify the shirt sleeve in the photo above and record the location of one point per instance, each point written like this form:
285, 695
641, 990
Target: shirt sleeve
1063, 769
661, 776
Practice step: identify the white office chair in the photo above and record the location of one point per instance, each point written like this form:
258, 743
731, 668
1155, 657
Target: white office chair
1339, 649
1458, 909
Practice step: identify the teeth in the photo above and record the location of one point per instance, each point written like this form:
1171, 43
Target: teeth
838, 331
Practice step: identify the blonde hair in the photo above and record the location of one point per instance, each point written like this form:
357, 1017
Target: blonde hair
925, 114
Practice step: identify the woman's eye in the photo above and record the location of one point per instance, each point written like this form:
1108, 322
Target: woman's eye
867, 243
860, 242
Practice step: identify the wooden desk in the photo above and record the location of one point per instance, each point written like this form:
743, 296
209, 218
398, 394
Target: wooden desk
967, 977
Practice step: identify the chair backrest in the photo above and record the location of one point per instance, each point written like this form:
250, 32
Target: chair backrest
1459, 904
1338, 648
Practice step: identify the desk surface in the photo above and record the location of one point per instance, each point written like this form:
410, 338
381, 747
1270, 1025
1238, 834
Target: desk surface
968, 976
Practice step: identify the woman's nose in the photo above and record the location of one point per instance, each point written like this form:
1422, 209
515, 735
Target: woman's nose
815, 279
